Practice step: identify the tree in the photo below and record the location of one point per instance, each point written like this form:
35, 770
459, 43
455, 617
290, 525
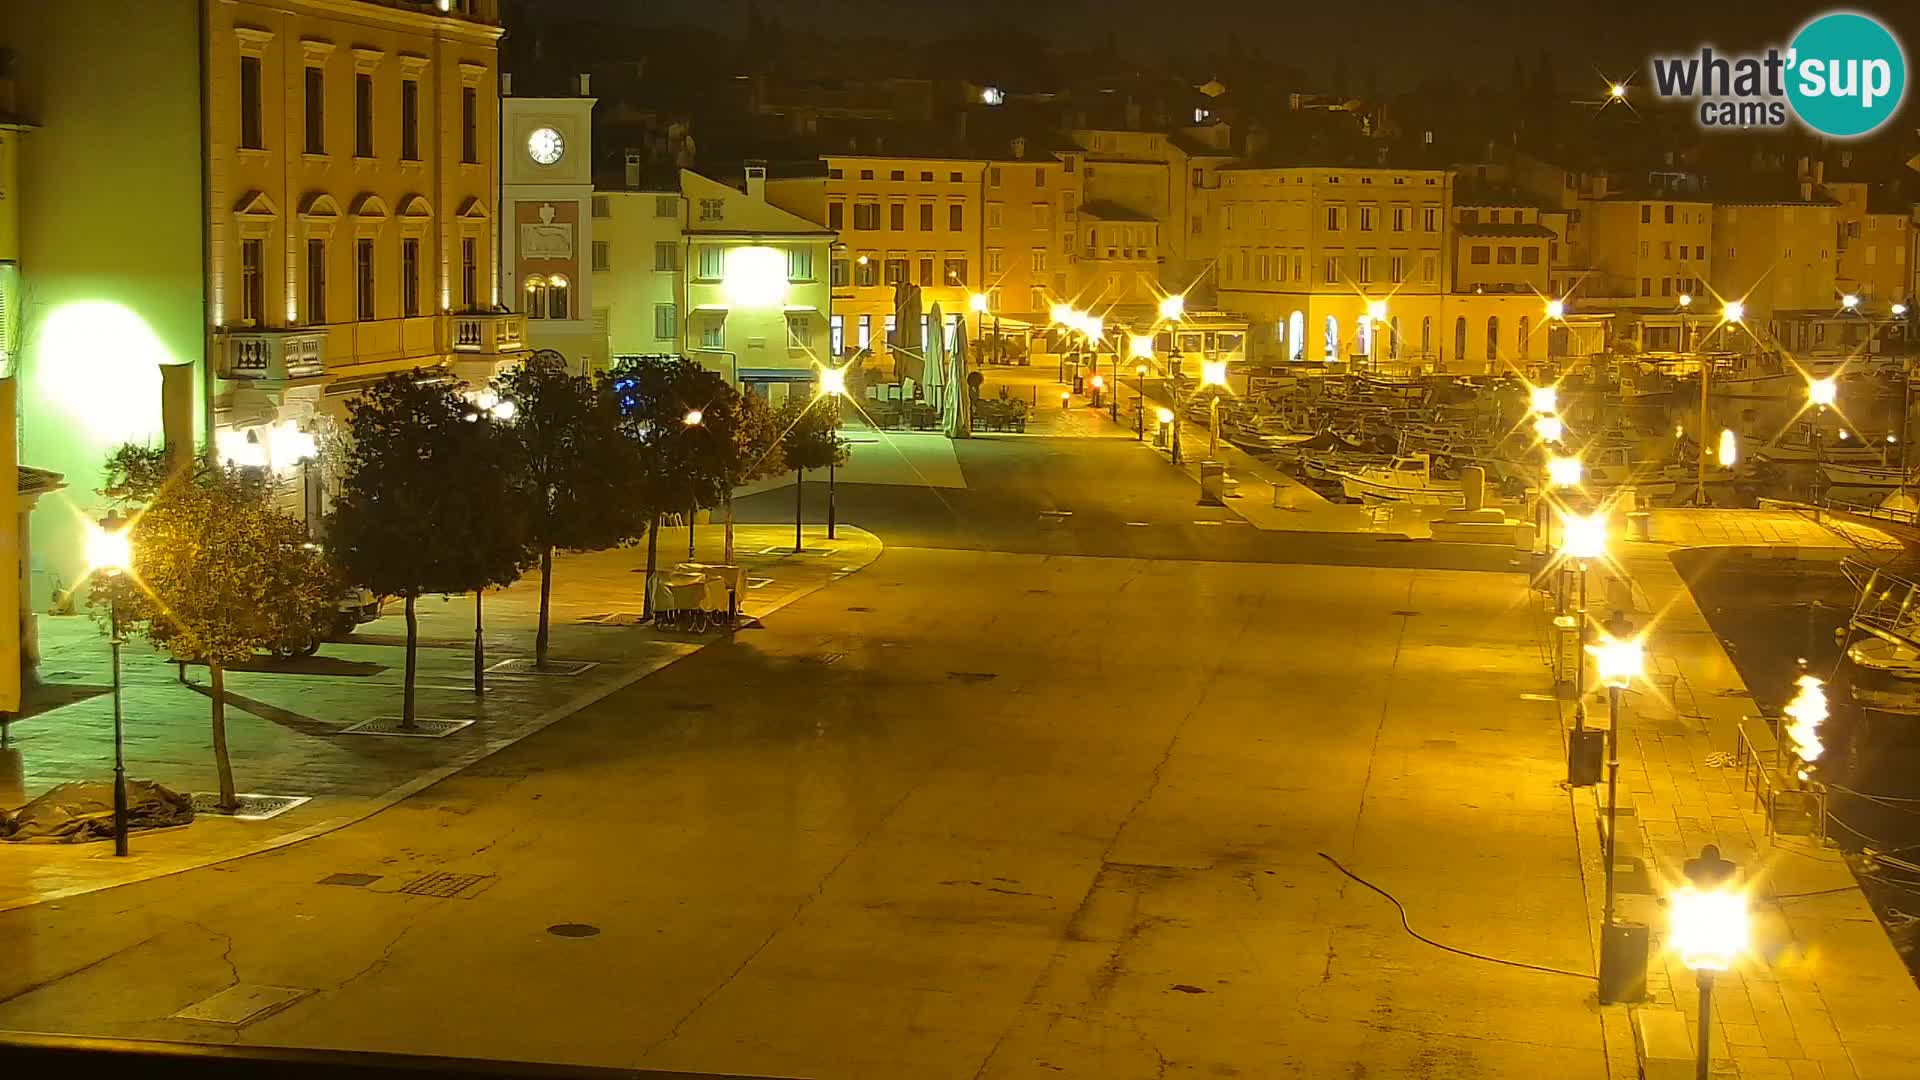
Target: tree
579, 475
427, 504
755, 455
216, 573
810, 439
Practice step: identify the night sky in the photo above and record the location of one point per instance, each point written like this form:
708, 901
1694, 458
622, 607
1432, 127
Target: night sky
1474, 40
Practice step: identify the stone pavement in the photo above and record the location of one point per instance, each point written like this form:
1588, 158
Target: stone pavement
1823, 995
285, 721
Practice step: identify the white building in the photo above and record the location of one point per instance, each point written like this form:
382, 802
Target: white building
545, 202
637, 256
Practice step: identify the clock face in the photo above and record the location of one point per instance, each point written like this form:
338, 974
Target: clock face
545, 145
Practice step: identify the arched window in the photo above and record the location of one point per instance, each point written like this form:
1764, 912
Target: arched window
1460, 338
1526, 340
1493, 338
536, 305
1332, 343
1393, 339
1363, 336
1426, 335
1297, 334
558, 294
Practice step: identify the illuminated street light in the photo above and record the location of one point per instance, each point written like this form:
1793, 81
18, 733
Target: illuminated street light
1729, 448
1618, 662
1821, 392
1850, 301
978, 302
1556, 309
1707, 925
1617, 91
1733, 311
1173, 307
1377, 310
1094, 327
1563, 472
1098, 382
862, 260
693, 417
1549, 429
1544, 400
1686, 300
1140, 346
1583, 536
1899, 310
1061, 314
1164, 415
109, 550
1808, 710
833, 381
1213, 373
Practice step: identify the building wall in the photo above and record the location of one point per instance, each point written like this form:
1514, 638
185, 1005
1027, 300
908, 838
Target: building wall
1644, 260
635, 287
111, 251
1031, 241
1873, 249
1775, 257
1491, 255
551, 208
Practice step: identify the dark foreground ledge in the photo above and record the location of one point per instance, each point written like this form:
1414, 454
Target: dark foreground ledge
23, 1054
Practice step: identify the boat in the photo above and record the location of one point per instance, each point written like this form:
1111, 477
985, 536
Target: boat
1897, 659
1863, 476
1796, 445
1406, 479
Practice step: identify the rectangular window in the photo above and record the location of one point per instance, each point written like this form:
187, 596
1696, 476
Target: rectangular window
1666, 249
1530, 255
410, 120
799, 264
890, 329
865, 339
836, 216
1330, 273
602, 206
363, 280
866, 216
252, 290
1666, 286
316, 102
897, 174
665, 256
1429, 219
469, 125
996, 262
713, 262
837, 334
926, 271
956, 272
926, 217
866, 271
410, 277
995, 216
666, 206
470, 273
251, 134
926, 176
1042, 215
712, 210
1429, 269
602, 260
1037, 299
1039, 261
1646, 284
1669, 209
841, 273
666, 322
1366, 268
1333, 218
896, 270
1700, 251
363, 115
1399, 219
1366, 219
714, 334
1493, 216
1505, 257
1646, 214
897, 216
993, 176
799, 330
956, 217
1396, 270
1481, 255
316, 282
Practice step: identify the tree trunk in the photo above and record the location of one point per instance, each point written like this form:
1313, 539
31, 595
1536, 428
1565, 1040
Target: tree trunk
406, 694
479, 645
653, 554
546, 605
229, 801
728, 557
799, 504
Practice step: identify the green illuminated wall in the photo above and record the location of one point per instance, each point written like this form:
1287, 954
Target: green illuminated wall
111, 240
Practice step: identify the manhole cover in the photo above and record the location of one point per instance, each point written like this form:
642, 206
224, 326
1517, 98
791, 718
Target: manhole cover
241, 1004
447, 886
252, 807
352, 880
972, 676
525, 666
423, 727
572, 929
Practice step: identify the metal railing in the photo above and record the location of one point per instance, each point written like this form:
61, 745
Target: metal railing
24, 1055
1761, 774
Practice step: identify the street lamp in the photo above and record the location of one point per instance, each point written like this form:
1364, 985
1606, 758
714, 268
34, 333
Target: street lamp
1821, 394
1899, 310
1563, 472
1549, 428
833, 384
1707, 925
1556, 309
1733, 311
1686, 300
109, 550
1618, 662
1618, 91
690, 421
1172, 307
1583, 538
1214, 373
1850, 302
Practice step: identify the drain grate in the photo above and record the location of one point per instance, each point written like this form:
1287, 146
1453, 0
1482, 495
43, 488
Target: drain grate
241, 1004
424, 727
447, 886
972, 676
351, 880
525, 666
252, 807
573, 930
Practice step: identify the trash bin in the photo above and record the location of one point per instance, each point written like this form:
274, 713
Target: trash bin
1640, 525
1213, 481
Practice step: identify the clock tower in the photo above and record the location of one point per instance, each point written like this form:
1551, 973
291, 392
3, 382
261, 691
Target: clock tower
546, 212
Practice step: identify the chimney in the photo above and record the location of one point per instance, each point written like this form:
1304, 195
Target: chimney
1806, 189
1019, 148
586, 83
633, 170
757, 180
1819, 173
1801, 169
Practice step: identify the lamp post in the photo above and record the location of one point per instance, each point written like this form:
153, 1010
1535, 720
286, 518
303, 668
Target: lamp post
1176, 376
833, 384
690, 421
1582, 539
1140, 393
1618, 661
110, 552
1376, 318
1213, 373
1821, 394
1708, 927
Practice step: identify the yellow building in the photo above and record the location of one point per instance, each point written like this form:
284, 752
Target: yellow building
1775, 254
238, 214
636, 266
1027, 236
1647, 253
1874, 240
1170, 178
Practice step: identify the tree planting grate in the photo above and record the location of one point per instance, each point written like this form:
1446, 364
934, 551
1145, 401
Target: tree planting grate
614, 618
424, 727
524, 666
252, 807
447, 886
241, 1004
972, 676
355, 881
573, 930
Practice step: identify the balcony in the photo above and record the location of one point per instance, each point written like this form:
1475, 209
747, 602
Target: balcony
488, 333
273, 355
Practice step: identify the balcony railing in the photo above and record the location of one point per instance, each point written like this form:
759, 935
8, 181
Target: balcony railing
273, 354
488, 332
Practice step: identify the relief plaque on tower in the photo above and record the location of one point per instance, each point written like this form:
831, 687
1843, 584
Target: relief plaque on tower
547, 238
